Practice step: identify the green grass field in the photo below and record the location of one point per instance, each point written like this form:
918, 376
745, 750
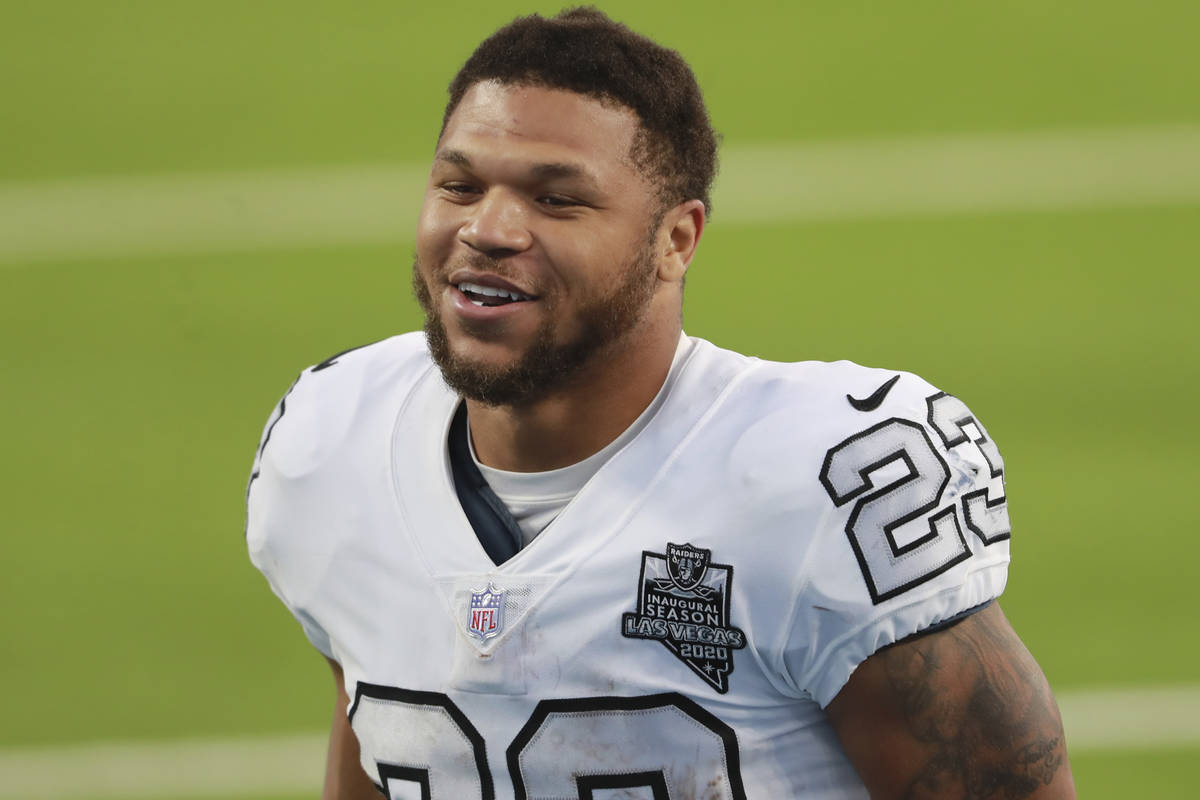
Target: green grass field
135, 386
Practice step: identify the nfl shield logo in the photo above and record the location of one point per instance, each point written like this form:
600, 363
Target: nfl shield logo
485, 615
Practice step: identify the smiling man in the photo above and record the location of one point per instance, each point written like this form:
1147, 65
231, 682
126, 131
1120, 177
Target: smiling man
515, 537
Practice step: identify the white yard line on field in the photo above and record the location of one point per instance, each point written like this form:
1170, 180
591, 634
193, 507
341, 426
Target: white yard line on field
1131, 719
363, 204
1111, 719
241, 767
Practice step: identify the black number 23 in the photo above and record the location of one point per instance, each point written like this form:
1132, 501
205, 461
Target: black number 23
899, 529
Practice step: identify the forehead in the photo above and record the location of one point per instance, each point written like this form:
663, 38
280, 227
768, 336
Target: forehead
542, 123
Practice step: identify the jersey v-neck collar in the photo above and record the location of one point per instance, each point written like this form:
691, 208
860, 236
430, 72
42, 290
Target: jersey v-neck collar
442, 534
541, 495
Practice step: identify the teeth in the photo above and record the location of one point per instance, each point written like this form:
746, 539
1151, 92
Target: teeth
490, 291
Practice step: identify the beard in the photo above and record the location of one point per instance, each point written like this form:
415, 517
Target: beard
547, 365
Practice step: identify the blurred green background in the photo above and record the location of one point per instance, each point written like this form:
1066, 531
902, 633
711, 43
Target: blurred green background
136, 379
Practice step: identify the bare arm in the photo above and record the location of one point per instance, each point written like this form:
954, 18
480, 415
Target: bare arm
344, 777
962, 713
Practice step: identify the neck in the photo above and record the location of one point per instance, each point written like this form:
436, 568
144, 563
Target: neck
568, 426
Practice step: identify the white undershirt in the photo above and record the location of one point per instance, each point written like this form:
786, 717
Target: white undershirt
535, 498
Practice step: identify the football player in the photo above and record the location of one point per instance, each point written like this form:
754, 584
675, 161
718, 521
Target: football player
555, 548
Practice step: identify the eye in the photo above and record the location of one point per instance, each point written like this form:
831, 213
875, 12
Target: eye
458, 189
559, 201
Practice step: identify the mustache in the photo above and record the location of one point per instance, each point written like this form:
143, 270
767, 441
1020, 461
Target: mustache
475, 261
482, 262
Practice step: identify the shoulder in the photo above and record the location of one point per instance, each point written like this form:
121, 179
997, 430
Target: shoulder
885, 493
329, 396
361, 369
793, 421
842, 393
325, 439
802, 409
844, 386
826, 415
343, 399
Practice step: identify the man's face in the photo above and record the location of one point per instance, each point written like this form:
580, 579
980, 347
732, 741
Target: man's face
535, 249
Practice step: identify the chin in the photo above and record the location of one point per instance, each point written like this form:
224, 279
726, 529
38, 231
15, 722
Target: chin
496, 351
484, 360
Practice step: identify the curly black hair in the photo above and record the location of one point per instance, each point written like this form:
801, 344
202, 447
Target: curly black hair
583, 50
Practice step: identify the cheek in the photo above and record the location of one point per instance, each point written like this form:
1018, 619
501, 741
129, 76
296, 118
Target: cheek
436, 230
597, 263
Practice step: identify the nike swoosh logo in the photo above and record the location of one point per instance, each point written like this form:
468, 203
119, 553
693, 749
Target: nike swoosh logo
875, 399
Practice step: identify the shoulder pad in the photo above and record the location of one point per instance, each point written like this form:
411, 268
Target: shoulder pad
327, 397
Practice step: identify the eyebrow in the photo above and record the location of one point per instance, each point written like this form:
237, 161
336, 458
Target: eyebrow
560, 170
456, 157
542, 171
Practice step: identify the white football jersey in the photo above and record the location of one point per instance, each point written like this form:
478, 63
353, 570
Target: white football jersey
676, 631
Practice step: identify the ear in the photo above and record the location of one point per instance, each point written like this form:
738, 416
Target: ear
681, 229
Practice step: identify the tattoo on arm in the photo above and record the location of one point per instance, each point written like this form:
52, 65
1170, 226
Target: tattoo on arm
976, 696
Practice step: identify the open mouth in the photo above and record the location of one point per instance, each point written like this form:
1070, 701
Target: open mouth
490, 295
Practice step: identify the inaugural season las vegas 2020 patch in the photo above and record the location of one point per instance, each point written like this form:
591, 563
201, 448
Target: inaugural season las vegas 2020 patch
683, 602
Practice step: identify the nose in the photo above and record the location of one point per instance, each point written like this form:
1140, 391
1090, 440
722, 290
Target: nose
497, 225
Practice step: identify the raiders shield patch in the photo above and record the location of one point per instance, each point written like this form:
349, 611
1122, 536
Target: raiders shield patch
683, 602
